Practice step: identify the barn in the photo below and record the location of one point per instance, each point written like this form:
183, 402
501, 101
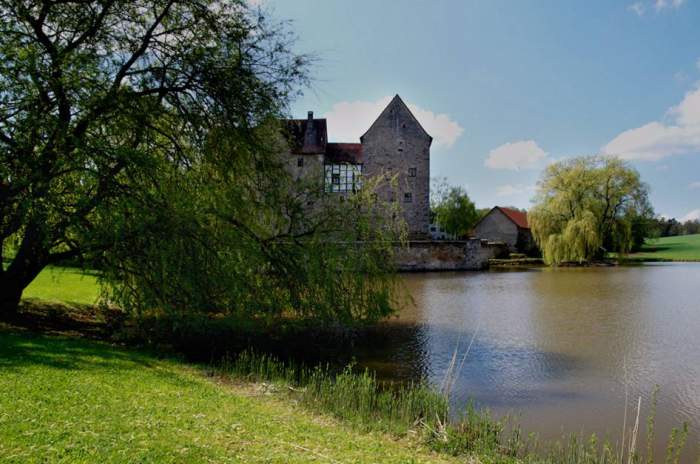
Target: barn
506, 225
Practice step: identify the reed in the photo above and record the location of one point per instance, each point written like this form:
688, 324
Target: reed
358, 397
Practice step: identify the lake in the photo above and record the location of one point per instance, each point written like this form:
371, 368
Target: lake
560, 347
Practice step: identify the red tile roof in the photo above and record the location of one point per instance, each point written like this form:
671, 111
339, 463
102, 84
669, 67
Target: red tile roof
518, 217
344, 153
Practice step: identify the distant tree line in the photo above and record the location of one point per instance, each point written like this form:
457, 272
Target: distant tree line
670, 227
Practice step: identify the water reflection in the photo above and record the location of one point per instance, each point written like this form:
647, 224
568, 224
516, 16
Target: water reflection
560, 347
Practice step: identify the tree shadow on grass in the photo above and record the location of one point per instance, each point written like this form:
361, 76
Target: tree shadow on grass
67, 318
19, 349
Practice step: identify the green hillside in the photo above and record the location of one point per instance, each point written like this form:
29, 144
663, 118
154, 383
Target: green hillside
679, 248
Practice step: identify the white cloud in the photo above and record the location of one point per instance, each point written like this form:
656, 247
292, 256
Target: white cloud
694, 185
694, 215
663, 4
510, 190
637, 8
347, 121
516, 155
656, 140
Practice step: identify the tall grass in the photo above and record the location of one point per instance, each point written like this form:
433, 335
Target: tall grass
359, 398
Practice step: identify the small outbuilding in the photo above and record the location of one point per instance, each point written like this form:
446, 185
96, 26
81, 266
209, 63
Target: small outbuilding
506, 225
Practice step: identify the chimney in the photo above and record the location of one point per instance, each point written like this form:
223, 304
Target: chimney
311, 115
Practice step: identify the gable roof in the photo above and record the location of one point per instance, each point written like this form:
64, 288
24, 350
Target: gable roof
344, 153
306, 136
395, 102
519, 218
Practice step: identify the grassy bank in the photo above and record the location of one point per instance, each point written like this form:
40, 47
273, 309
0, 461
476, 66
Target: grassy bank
71, 400
64, 284
680, 248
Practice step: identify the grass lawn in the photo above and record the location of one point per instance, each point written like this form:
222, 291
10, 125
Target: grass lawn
64, 284
680, 248
72, 400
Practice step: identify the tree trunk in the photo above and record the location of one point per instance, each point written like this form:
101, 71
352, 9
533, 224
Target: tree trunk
30, 259
10, 294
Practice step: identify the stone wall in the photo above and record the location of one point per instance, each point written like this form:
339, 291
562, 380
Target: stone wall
467, 255
396, 146
305, 166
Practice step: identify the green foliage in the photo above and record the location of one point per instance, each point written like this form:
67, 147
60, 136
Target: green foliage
665, 227
239, 239
452, 208
587, 206
147, 141
101, 100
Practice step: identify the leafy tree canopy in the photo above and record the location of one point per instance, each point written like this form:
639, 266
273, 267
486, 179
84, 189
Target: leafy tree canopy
452, 208
142, 135
587, 206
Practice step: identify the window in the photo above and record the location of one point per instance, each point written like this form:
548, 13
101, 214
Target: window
343, 178
407, 197
412, 172
300, 162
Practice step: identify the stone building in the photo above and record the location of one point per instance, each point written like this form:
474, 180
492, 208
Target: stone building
506, 225
395, 147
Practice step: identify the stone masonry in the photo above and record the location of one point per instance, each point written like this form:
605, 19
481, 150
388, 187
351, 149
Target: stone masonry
395, 147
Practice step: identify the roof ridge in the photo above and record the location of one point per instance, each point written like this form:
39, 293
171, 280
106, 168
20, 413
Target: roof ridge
397, 100
517, 217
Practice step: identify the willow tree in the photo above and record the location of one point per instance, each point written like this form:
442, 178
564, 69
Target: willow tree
98, 97
587, 206
143, 137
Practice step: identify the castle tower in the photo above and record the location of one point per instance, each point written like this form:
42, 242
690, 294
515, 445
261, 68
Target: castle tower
397, 145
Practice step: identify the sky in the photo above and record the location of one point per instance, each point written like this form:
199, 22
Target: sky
507, 86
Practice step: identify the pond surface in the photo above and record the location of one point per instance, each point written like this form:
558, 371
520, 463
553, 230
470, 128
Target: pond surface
559, 347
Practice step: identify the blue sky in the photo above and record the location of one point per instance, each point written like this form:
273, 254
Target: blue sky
507, 86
